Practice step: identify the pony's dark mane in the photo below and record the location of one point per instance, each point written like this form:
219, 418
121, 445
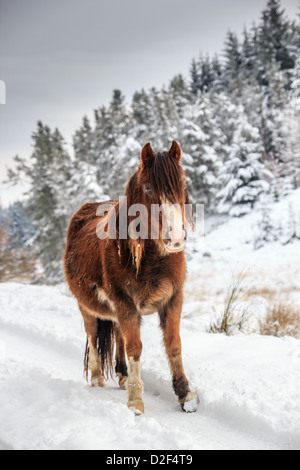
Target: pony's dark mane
166, 176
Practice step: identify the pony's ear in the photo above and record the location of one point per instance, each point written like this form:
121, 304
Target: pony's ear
146, 153
175, 150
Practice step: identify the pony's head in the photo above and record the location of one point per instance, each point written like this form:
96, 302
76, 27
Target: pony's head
159, 185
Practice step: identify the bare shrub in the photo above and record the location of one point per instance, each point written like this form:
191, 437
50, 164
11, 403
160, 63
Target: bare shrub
16, 262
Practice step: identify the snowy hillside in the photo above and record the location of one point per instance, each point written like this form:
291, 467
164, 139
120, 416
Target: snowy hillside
248, 383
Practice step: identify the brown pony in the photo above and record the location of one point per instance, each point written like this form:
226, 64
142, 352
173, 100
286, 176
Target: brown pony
117, 280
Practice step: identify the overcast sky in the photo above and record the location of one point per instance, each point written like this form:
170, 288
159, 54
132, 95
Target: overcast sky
60, 59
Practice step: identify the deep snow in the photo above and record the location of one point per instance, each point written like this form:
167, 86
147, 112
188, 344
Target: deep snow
249, 385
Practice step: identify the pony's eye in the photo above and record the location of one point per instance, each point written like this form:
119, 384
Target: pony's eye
148, 190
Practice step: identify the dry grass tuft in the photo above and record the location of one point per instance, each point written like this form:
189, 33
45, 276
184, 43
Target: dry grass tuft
235, 316
281, 315
282, 319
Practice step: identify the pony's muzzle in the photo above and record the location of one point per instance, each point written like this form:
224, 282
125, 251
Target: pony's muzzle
174, 240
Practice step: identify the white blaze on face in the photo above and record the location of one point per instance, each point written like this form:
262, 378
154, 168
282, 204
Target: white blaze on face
174, 219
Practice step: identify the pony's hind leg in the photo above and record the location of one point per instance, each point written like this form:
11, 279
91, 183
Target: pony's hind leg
92, 361
121, 367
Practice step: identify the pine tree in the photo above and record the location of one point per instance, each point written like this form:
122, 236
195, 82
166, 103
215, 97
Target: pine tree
295, 80
249, 56
48, 173
233, 63
83, 143
242, 175
83, 186
112, 126
200, 142
266, 230
160, 124
274, 100
290, 169
194, 78
179, 93
252, 102
273, 35
141, 108
176, 98
127, 160
224, 110
217, 73
205, 74
118, 114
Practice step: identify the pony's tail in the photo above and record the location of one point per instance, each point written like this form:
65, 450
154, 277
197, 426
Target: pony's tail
105, 346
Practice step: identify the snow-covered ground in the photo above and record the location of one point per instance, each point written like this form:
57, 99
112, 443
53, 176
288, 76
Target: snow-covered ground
248, 384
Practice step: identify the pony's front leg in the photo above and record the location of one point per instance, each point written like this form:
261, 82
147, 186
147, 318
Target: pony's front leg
130, 326
170, 324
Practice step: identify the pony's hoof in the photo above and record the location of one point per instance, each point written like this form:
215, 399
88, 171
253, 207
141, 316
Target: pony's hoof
190, 403
136, 407
97, 381
122, 381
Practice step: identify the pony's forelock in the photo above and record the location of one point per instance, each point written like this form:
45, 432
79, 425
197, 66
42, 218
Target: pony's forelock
166, 176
